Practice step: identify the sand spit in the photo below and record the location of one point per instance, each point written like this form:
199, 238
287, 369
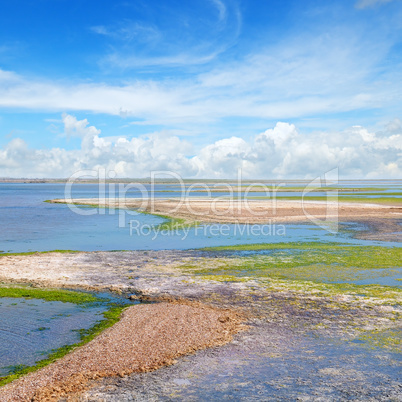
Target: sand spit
147, 337
249, 211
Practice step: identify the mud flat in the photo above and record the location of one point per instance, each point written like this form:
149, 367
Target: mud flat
304, 339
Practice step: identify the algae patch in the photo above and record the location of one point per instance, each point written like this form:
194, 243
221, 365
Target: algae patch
317, 262
83, 300
62, 295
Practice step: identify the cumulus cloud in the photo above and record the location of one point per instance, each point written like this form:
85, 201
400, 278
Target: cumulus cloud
279, 152
74, 127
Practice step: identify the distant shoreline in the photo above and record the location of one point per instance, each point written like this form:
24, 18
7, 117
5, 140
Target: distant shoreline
174, 181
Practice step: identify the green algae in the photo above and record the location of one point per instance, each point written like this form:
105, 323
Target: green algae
347, 198
110, 317
275, 246
171, 223
330, 198
363, 314
378, 294
320, 268
66, 296
259, 267
318, 255
389, 339
275, 189
387, 194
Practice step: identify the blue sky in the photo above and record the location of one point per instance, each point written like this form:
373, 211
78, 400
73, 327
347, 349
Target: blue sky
195, 86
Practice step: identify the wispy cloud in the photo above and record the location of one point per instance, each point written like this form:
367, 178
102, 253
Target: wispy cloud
188, 40
221, 9
124, 61
325, 74
128, 31
101, 30
370, 3
336, 70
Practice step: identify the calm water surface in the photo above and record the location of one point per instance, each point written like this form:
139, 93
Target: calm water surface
27, 223
31, 328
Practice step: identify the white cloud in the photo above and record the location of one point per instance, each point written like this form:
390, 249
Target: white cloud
74, 127
394, 126
279, 152
224, 156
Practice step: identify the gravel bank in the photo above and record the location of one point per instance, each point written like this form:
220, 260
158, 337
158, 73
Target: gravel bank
146, 338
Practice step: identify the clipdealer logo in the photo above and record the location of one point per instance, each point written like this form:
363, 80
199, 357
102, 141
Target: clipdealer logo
113, 197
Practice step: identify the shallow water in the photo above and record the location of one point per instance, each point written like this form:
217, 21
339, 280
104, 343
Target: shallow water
276, 367
31, 328
314, 368
27, 223
331, 273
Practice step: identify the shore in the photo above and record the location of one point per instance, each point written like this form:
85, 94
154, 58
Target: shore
294, 325
291, 324
146, 338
